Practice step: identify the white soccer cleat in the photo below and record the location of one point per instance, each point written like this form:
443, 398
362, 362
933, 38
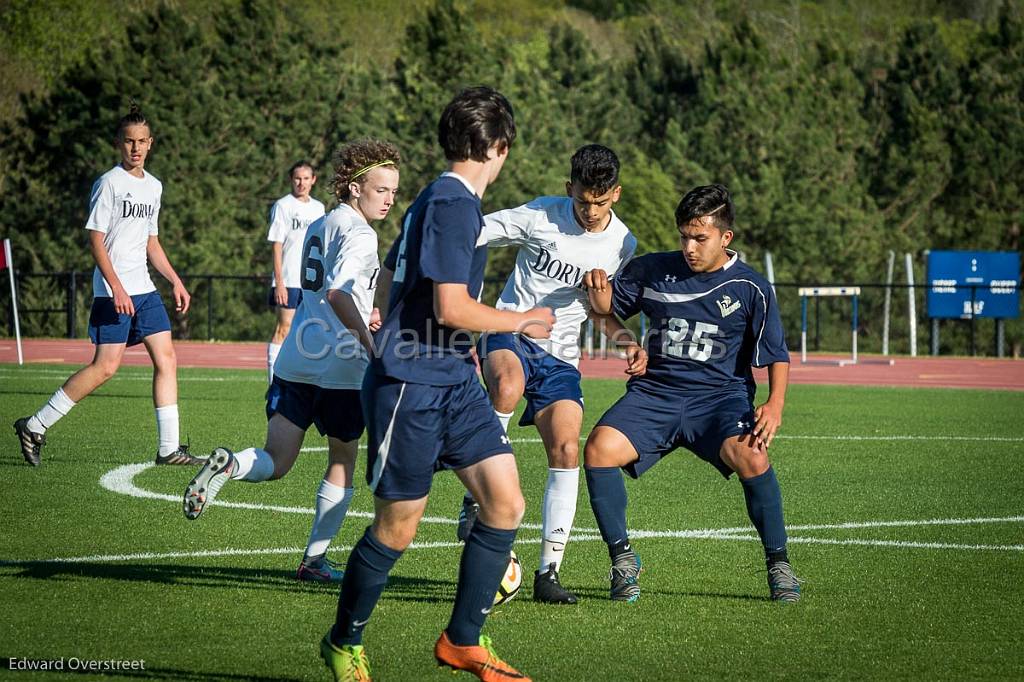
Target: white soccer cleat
208, 482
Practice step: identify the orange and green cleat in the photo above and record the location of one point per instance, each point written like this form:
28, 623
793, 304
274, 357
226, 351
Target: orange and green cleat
480, 660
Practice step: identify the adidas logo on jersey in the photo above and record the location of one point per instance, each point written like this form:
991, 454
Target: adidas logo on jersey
553, 246
727, 306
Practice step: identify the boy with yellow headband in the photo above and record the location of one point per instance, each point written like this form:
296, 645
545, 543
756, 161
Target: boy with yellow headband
320, 369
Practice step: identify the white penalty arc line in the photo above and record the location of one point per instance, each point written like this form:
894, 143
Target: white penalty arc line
122, 481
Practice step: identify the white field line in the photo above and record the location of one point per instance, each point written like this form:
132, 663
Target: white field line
200, 554
127, 376
902, 544
121, 480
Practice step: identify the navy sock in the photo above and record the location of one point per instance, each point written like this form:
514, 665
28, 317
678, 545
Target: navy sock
764, 506
366, 574
484, 560
608, 499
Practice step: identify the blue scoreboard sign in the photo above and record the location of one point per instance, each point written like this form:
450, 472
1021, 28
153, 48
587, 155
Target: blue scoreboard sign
993, 276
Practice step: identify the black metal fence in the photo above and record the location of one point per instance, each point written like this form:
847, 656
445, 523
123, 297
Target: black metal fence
234, 307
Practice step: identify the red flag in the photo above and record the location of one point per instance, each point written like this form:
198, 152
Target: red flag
5, 255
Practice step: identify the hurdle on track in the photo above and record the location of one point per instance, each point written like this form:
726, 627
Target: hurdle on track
808, 292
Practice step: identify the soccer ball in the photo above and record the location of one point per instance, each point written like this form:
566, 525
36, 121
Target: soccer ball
511, 581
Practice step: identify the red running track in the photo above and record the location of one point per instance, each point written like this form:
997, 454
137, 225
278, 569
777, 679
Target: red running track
946, 372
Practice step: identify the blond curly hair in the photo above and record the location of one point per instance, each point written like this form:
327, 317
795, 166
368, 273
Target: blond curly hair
357, 155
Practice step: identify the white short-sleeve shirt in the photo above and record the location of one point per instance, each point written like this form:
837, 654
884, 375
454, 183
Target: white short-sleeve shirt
319, 349
554, 254
289, 219
125, 209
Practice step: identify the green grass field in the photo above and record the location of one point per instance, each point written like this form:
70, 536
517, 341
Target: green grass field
905, 507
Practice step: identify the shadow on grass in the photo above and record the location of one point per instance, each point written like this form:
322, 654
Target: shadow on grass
602, 595
399, 587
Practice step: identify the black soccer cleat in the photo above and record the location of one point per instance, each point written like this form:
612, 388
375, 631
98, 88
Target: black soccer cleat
31, 442
547, 588
180, 457
782, 582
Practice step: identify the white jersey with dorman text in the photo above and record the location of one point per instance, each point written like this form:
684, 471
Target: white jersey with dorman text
554, 254
125, 209
339, 252
289, 219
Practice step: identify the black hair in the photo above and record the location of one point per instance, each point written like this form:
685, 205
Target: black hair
301, 163
132, 118
707, 200
595, 168
477, 119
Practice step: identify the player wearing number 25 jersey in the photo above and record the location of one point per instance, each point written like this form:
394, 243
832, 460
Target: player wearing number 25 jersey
712, 319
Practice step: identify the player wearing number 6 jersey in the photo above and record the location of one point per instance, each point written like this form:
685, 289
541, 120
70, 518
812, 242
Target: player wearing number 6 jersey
320, 369
712, 319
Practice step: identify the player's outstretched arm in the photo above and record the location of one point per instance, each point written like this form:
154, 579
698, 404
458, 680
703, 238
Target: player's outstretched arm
622, 338
455, 308
599, 290
156, 255
769, 415
345, 308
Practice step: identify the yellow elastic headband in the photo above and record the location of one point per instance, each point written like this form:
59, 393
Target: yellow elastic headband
369, 168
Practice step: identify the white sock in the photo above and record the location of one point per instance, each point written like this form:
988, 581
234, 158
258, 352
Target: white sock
504, 418
167, 429
331, 506
253, 465
559, 512
56, 407
272, 350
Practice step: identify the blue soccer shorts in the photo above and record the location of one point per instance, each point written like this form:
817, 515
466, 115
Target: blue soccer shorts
548, 379
294, 298
335, 412
106, 325
657, 422
415, 430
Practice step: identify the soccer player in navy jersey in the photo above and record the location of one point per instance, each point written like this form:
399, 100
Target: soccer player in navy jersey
712, 319
424, 406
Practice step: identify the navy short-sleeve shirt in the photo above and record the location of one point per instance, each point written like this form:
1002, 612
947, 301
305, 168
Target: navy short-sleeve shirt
440, 243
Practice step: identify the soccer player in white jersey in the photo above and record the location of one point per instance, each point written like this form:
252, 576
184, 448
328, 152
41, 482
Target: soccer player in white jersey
126, 310
289, 218
560, 240
320, 370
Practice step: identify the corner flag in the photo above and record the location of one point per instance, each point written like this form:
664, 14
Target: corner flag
7, 262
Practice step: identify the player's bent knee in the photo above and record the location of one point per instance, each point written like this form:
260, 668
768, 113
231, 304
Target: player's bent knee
396, 536
745, 460
503, 511
564, 455
606, 447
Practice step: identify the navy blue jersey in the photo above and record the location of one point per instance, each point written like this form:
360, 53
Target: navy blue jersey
440, 242
707, 328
